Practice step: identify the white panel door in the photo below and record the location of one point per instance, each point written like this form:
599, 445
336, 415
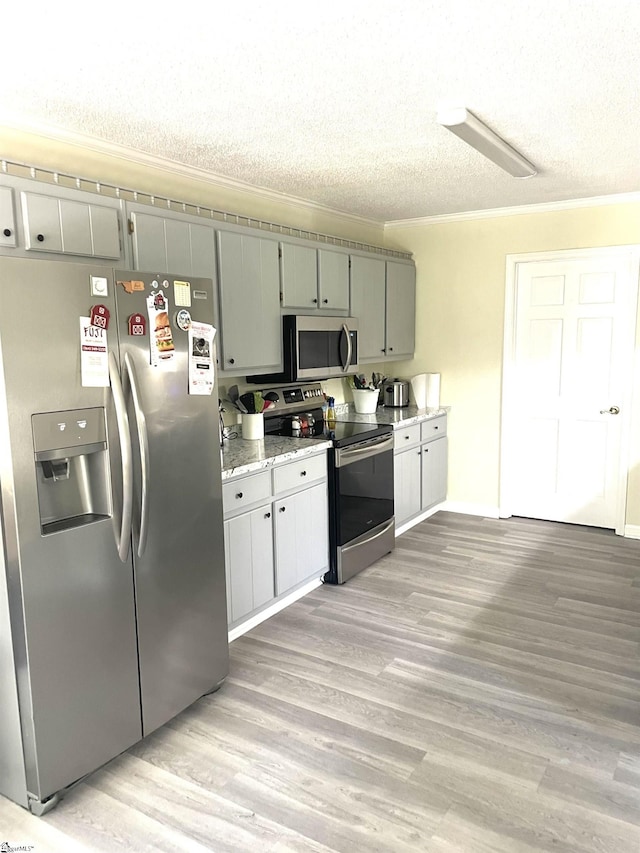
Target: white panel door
572, 354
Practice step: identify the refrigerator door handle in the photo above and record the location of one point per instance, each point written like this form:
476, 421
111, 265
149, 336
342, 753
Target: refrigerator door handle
143, 441
122, 540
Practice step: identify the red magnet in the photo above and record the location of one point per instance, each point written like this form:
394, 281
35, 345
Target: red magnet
100, 317
137, 325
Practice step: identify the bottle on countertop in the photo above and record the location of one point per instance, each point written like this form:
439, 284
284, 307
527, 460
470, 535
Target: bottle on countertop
331, 413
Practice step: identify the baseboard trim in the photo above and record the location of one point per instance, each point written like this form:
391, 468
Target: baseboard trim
418, 518
632, 531
274, 608
485, 510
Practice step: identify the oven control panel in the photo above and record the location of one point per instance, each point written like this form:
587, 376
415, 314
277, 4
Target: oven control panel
293, 398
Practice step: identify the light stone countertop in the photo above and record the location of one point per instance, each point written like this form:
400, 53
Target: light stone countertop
397, 417
244, 456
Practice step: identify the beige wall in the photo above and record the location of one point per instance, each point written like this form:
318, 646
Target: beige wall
55, 154
460, 316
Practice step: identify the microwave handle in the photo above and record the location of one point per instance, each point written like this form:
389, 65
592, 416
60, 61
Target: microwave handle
347, 334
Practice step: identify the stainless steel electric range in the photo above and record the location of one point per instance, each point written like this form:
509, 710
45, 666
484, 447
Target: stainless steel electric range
361, 513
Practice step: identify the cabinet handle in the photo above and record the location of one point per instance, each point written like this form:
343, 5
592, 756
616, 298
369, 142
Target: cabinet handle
407, 437
435, 427
325, 301
40, 238
282, 509
383, 349
7, 232
239, 495
267, 515
419, 452
314, 300
303, 473
426, 450
390, 349
232, 361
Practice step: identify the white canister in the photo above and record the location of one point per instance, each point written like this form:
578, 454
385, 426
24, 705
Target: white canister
365, 400
433, 390
253, 426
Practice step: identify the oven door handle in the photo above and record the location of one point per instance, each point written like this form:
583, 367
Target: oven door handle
363, 450
346, 333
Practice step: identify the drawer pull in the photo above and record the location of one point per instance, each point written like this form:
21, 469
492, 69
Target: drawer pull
7, 232
40, 238
303, 473
407, 437
282, 508
435, 427
267, 515
240, 495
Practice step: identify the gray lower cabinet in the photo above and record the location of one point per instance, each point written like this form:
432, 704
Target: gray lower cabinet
383, 298
248, 541
420, 467
249, 283
276, 532
301, 537
65, 226
7, 219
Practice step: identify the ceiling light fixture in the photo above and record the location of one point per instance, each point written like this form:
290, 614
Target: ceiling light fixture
469, 128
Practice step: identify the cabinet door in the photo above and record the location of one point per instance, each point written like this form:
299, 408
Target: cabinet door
401, 309
149, 245
168, 244
333, 279
434, 472
249, 554
75, 224
299, 276
7, 218
301, 537
368, 305
407, 473
42, 227
105, 233
249, 281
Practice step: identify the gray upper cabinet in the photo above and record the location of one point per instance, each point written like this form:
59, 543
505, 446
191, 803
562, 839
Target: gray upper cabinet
400, 309
314, 279
7, 219
64, 226
368, 305
249, 282
299, 276
172, 244
383, 298
333, 280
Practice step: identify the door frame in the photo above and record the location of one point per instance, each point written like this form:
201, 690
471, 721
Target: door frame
632, 253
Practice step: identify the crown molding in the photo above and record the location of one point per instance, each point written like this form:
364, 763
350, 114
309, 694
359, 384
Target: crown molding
113, 149
495, 212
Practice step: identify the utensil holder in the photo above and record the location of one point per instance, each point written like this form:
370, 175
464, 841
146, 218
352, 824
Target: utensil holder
253, 426
365, 400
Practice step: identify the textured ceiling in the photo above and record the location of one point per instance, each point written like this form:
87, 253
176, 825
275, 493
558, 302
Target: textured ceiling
335, 102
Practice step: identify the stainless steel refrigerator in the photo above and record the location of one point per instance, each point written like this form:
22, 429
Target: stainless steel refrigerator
112, 583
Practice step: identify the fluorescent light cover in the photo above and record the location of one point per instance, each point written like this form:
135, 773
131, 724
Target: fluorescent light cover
469, 128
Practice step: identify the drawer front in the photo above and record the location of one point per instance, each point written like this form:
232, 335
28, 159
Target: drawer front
245, 491
434, 428
297, 475
406, 437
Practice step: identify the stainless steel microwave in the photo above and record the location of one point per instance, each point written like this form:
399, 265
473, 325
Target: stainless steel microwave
316, 348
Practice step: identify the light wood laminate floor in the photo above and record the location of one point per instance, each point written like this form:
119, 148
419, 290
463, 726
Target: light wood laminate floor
477, 690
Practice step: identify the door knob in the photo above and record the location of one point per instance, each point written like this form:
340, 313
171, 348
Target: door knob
614, 410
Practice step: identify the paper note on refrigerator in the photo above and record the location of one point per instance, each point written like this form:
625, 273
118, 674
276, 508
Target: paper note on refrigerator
201, 364
94, 355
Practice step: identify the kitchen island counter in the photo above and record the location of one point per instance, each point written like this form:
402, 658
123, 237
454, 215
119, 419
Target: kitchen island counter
244, 456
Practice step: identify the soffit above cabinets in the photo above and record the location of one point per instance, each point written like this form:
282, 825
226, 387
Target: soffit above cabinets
336, 103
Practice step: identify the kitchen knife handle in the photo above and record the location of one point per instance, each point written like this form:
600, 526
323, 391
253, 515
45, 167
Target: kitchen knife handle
143, 442
124, 436
347, 333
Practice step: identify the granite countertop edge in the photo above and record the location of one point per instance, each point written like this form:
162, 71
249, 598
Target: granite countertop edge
243, 456
395, 417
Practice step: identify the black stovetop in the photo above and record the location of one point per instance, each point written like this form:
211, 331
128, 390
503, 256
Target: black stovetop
342, 433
